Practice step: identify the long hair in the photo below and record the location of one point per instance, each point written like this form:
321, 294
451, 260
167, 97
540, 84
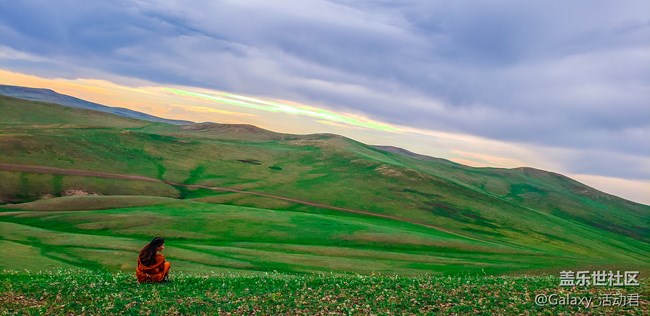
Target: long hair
148, 253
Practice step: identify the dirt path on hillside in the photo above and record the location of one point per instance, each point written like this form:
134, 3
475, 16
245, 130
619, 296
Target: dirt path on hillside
88, 173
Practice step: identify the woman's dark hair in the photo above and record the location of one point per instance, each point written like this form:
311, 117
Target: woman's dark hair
148, 253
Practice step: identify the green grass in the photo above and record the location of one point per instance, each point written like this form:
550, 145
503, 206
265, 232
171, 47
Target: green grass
500, 220
203, 236
246, 254
72, 203
67, 292
231, 237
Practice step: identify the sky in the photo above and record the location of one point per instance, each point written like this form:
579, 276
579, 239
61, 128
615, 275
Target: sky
557, 85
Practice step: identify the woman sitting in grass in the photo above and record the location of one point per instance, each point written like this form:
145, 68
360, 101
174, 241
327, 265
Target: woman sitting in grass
152, 267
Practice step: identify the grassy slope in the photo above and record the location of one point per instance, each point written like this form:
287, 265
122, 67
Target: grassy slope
549, 192
222, 237
518, 209
71, 292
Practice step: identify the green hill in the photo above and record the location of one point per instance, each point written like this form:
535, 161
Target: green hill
303, 203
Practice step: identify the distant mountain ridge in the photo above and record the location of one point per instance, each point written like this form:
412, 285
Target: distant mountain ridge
51, 96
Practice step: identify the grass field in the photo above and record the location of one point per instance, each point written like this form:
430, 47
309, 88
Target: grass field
207, 237
68, 292
203, 236
444, 237
432, 215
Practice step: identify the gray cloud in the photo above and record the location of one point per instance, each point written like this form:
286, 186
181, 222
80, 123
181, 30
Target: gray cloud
568, 75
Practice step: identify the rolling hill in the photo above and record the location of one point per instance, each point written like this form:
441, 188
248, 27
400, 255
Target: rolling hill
91, 187
47, 95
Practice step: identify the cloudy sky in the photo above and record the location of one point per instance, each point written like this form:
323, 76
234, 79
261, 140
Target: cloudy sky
557, 85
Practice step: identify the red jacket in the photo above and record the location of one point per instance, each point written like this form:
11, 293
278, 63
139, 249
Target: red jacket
153, 273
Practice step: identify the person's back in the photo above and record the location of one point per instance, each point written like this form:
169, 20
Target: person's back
152, 266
